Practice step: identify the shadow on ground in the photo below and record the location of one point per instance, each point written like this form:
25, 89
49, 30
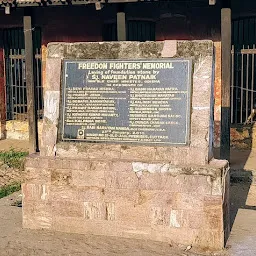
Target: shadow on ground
239, 195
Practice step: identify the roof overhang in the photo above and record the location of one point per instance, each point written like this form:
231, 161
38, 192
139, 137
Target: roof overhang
24, 3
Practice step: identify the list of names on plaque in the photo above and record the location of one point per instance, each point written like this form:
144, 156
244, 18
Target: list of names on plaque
133, 101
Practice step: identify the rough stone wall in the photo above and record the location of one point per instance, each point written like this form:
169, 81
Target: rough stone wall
178, 205
201, 52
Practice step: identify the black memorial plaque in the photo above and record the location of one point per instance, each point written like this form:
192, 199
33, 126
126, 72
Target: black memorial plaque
127, 101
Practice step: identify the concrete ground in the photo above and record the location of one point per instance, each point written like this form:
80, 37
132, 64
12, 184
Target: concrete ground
242, 240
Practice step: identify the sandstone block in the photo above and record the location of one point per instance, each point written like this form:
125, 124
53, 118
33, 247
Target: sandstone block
99, 166
69, 224
130, 213
176, 218
197, 156
53, 73
59, 193
182, 236
212, 202
104, 151
159, 216
115, 195
68, 209
210, 220
48, 139
38, 175
43, 163
61, 177
88, 178
194, 219
110, 179
134, 153
51, 106
56, 163
157, 198
55, 50
169, 48
150, 181
197, 184
210, 239
76, 164
122, 166
186, 183
36, 215
217, 189
33, 192
99, 210
95, 210
172, 183
185, 201
32, 161
126, 180
174, 155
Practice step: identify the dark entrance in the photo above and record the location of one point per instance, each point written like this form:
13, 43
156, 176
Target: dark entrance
243, 83
15, 75
136, 31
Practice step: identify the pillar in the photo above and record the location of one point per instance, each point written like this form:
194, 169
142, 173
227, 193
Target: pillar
29, 57
226, 82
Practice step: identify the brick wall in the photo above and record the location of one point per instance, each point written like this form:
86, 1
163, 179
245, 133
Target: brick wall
178, 205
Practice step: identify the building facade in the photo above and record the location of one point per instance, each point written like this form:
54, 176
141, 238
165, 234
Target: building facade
145, 21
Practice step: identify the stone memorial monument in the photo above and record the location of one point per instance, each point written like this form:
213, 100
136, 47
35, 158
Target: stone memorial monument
126, 147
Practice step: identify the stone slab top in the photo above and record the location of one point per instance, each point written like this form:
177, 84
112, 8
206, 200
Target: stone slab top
130, 50
216, 168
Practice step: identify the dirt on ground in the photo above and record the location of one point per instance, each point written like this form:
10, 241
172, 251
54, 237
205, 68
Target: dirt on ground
21, 145
10, 175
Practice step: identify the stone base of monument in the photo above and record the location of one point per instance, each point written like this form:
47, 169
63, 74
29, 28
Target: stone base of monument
129, 155
185, 205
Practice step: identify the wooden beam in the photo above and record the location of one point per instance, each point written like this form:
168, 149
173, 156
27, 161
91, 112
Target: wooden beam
29, 57
2, 92
121, 23
212, 2
226, 82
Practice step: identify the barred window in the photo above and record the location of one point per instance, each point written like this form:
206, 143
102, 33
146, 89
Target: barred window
15, 73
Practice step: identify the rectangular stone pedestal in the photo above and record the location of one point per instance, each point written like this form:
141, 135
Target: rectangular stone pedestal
158, 201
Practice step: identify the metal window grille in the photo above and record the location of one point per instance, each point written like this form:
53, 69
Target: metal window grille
15, 74
243, 84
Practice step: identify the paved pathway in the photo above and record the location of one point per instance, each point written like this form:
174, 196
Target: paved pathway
242, 240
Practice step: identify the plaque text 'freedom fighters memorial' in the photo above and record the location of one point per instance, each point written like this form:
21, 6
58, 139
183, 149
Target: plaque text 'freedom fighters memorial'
131, 101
